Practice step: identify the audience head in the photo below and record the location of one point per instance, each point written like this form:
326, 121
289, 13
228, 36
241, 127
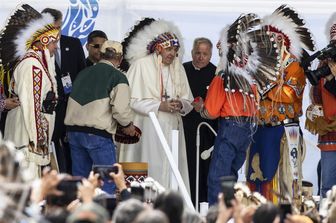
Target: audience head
151, 216
57, 216
14, 166
171, 203
127, 211
89, 212
94, 42
332, 214
9, 166
192, 217
107, 201
300, 219
201, 52
14, 194
267, 213
212, 214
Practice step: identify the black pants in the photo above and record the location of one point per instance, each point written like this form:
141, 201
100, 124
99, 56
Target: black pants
60, 140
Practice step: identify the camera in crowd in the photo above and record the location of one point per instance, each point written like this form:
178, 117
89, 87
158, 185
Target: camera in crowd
69, 188
104, 170
227, 185
329, 52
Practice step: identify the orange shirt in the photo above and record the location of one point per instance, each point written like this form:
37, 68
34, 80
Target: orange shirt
220, 103
327, 142
284, 101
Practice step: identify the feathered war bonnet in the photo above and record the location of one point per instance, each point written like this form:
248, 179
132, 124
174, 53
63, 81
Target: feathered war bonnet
281, 31
238, 58
330, 29
146, 36
23, 28
285, 26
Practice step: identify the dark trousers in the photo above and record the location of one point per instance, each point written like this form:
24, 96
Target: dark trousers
60, 140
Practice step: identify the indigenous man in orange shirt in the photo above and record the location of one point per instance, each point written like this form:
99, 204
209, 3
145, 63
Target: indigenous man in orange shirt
321, 115
274, 159
231, 98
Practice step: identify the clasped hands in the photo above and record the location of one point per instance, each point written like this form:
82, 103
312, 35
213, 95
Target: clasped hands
171, 106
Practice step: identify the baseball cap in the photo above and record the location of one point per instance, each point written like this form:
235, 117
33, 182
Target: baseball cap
111, 44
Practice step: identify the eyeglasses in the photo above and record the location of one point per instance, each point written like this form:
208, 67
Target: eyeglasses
96, 46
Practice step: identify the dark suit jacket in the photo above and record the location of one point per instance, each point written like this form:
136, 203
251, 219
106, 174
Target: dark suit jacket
72, 62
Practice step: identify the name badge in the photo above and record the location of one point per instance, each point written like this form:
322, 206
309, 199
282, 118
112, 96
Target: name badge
67, 84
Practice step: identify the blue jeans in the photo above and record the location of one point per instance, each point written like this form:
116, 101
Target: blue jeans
229, 153
89, 149
328, 171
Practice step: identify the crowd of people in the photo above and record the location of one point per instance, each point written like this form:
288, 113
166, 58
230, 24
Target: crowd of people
66, 115
61, 198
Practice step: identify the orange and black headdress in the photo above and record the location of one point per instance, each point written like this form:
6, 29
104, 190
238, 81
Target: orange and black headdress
282, 31
253, 48
238, 57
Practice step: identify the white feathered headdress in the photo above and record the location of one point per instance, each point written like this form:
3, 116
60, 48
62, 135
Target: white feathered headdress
23, 28
146, 34
40, 29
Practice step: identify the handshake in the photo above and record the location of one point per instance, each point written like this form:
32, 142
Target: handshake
198, 103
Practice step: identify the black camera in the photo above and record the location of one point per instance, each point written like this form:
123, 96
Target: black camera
285, 208
104, 170
227, 185
69, 188
138, 192
108, 201
329, 52
49, 103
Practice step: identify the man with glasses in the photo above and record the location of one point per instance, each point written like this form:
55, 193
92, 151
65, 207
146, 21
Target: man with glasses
94, 42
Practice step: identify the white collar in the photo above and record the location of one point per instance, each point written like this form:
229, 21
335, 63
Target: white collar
196, 68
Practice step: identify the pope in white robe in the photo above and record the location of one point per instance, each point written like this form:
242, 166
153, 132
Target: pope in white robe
151, 83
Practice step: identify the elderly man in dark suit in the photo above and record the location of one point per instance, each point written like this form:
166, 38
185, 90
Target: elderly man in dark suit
69, 61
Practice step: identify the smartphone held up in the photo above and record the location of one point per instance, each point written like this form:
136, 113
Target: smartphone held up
227, 185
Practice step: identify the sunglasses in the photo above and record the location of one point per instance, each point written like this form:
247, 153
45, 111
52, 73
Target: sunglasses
96, 46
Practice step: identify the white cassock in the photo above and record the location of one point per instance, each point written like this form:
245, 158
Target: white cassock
148, 85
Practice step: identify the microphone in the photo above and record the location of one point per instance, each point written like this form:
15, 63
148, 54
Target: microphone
206, 153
